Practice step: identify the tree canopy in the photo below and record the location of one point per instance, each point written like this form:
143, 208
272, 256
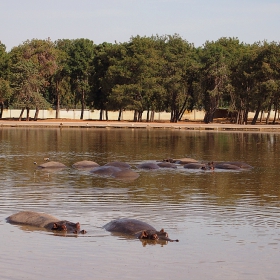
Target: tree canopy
151, 74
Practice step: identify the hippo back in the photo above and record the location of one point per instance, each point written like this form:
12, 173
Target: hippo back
32, 218
128, 226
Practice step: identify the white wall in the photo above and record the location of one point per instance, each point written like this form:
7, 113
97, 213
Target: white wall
94, 115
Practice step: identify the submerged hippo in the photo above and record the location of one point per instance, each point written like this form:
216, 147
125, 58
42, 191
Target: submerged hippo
242, 165
105, 170
85, 164
51, 165
184, 160
138, 229
167, 164
226, 166
202, 166
119, 164
148, 165
195, 166
126, 174
42, 220
232, 165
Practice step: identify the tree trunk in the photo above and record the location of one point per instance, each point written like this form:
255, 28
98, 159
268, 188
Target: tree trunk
83, 105
36, 114
256, 114
21, 113
27, 114
152, 118
174, 116
101, 115
268, 113
106, 115
140, 116
275, 113
57, 101
135, 116
148, 115
120, 115
1, 109
261, 116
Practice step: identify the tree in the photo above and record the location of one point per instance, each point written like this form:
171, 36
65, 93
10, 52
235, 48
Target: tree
108, 74
34, 61
80, 59
27, 82
61, 79
180, 73
5, 90
266, 72
141, 68
216, 58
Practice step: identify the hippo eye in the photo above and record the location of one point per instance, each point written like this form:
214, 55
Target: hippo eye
63, 227
54, 226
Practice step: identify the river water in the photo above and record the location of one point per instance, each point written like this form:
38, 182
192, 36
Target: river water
228, 222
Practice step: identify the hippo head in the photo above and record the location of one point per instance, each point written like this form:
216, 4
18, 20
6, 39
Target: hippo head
68, 226
155, 235
148, 235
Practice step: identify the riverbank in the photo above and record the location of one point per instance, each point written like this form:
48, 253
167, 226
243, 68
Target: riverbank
199, 126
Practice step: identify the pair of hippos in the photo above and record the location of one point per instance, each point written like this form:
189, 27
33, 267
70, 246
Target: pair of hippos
116, 169
190, 163
130, 227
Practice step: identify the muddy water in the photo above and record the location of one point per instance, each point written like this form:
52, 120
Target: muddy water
228, 222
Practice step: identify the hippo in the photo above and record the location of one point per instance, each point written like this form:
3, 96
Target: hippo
242, 165
184, 160
167, 164
51, 165
43, 220
224, 165
125, 174
195, 166
138, 229
148, 165
85, 164
202, 166
105, 170
119, 164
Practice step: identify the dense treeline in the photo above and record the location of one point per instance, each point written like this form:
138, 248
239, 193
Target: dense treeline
151, 74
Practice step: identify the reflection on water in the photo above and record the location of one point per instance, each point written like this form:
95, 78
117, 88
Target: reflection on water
227, 222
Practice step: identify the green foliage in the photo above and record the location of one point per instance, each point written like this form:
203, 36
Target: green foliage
158, 73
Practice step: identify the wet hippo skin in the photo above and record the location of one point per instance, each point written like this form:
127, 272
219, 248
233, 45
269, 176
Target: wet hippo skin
43, 220
138, 229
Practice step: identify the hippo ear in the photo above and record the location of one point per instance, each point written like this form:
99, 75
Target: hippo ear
55, 226
78, 225
162, 230
143, 234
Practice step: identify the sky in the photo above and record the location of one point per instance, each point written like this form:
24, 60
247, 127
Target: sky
196, 21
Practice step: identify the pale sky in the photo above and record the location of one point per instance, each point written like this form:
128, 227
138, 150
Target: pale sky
196, 21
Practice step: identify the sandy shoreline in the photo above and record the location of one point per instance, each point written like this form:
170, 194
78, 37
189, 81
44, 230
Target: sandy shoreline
67, 123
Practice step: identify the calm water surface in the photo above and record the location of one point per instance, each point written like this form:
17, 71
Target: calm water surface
228, 222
